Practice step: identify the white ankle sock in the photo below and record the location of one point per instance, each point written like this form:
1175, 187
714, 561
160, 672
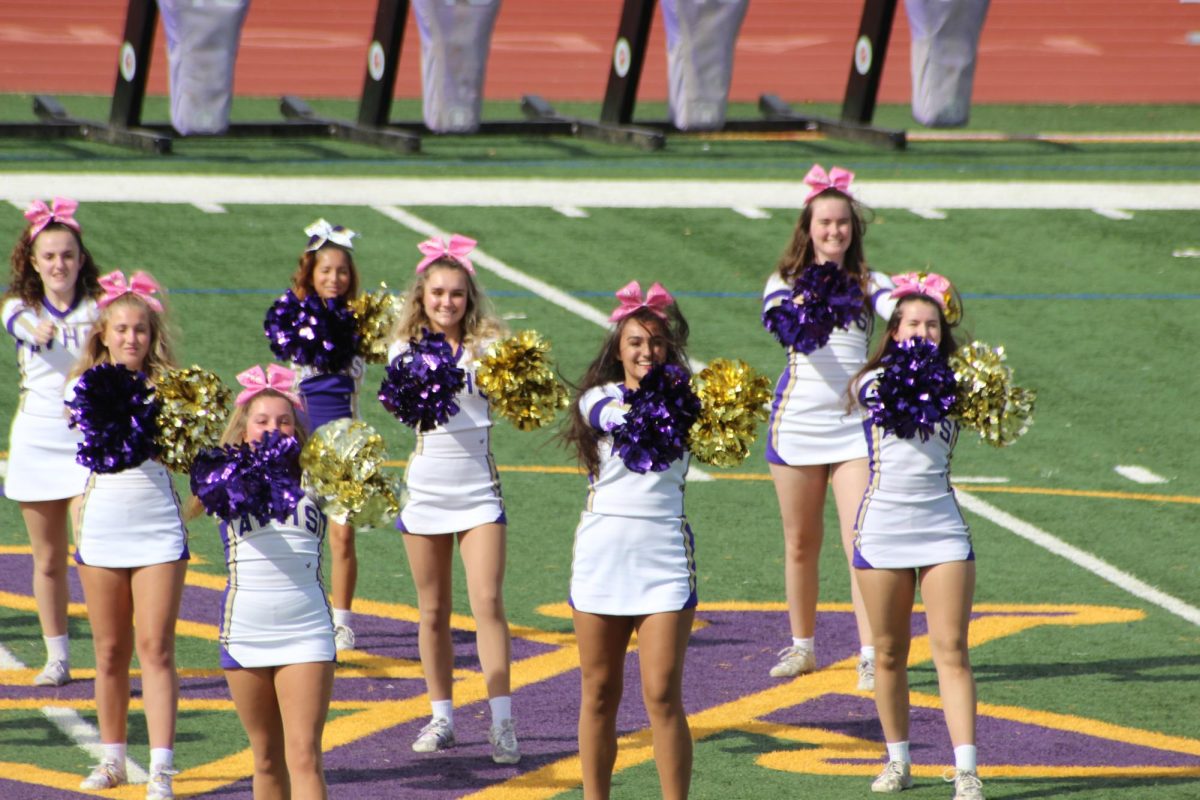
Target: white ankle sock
161, 758
114, 752
58, 648
898, 751
443, 709
341, 616
805, 643
965, 757
867, 651
501, 709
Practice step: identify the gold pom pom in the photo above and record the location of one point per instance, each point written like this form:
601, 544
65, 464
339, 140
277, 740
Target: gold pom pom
733, 400
343, 470
376, 313
194, 408
516, 377
987, 400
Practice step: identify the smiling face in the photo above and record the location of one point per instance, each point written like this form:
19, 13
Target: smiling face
640, 347
57, 260
331, 273
918, 317
127, 334
445, 300
831, 229
269, 413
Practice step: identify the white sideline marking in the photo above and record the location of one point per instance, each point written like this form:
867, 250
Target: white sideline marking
589, 193
751, 212
75, 727
210, 208
928, 213
574, 212
977, 479
1187, 252
1139, 474
1113, 213
1080, 558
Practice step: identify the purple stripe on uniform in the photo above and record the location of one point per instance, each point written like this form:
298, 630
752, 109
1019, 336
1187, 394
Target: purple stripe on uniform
400, 524
10, 322
326, 398
859, 562
875, 296
502, 519
60, 314
781, 386
228, 661
594, 414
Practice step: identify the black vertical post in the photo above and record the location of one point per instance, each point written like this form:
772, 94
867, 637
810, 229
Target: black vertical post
625, 66
133, 64
383, 62
866, 65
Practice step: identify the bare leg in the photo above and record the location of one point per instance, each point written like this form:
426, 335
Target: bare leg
429, 558
482, 551
662, 644
157, 590
801, 493
46, 523
602, 642
344, 571
849, 481
110, 614
304, 691
888, 597
254, 697
947, 591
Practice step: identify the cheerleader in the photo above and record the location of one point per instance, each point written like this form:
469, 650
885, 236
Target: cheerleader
131, 549
326, 270
812, 441
633, 567
277, 635
909, 532
453, 492
49, 308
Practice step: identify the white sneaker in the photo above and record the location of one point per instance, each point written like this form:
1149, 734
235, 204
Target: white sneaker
967, 785
343, 637
503, 738
55, 673
105, 775
159, 785
437, 735
866, 674
896, 777
793, 661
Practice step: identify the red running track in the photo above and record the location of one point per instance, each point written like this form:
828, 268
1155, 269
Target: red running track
1032, 51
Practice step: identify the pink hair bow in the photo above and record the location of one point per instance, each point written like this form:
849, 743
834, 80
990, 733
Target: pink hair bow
458, 248
141, 284
930, 284
819, 181
61, 210
255, 381
657, 299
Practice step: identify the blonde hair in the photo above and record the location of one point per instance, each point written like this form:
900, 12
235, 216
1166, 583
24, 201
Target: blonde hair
159, 356
479, 323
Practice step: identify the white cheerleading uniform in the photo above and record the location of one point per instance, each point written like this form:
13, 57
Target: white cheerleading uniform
809, 423
131, 518
42, 448
909, 516
274, 611
451, 483
634, 551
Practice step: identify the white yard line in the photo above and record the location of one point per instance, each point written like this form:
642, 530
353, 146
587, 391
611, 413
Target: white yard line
1080, 558
573, 212
20, 187
1139, 474
929, 213
1113, 213
210, 208
752, 212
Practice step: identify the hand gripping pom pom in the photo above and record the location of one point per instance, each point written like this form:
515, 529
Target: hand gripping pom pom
988, 402
733, 400
915, 390
343, 470
661, 412
375, 315
312, 332
195, 405
824, 299
240, 481
117, 413
421, 383
519, 383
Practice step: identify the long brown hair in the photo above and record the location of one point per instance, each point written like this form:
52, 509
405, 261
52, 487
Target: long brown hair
160, 356
800, 251
947, 345
607, 368
302, 278
26, 284
479, 323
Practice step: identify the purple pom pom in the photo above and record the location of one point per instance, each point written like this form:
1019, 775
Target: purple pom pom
422, 382
915, 390
824, 299
260, 480
116, 411
312, 332
661, 411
